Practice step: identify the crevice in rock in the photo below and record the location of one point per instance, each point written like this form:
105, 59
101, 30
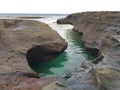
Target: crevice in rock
98, 59
93, 51
81, 33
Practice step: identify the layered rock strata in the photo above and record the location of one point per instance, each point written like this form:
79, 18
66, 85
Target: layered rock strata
101, 36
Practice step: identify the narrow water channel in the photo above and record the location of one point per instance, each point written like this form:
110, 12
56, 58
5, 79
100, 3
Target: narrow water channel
70, 59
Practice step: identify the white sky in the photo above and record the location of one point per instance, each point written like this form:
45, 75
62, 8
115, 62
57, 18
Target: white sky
57, 6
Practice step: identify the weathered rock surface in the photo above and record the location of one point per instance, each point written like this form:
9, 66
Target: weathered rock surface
21, 39
94, 26
23, 42
101, 36
17, 82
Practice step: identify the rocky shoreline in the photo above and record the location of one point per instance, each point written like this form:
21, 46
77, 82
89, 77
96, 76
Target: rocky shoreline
23, 42
101, 36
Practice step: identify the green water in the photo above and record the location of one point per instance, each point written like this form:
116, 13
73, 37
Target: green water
70, 59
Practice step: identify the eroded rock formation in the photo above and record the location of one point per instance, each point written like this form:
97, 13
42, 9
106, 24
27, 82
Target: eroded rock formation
23, 42
94, 26
101, 36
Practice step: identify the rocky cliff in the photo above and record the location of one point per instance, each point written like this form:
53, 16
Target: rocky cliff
23, 42
101, 36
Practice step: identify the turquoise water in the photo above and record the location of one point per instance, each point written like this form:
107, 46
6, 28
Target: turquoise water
70, 59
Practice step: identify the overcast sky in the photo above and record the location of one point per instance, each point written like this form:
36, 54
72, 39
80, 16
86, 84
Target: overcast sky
57, 6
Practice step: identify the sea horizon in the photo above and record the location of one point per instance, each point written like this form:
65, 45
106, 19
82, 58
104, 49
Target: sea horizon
30, 14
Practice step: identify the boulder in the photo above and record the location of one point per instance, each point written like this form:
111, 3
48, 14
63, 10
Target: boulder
27, 39
23, 42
